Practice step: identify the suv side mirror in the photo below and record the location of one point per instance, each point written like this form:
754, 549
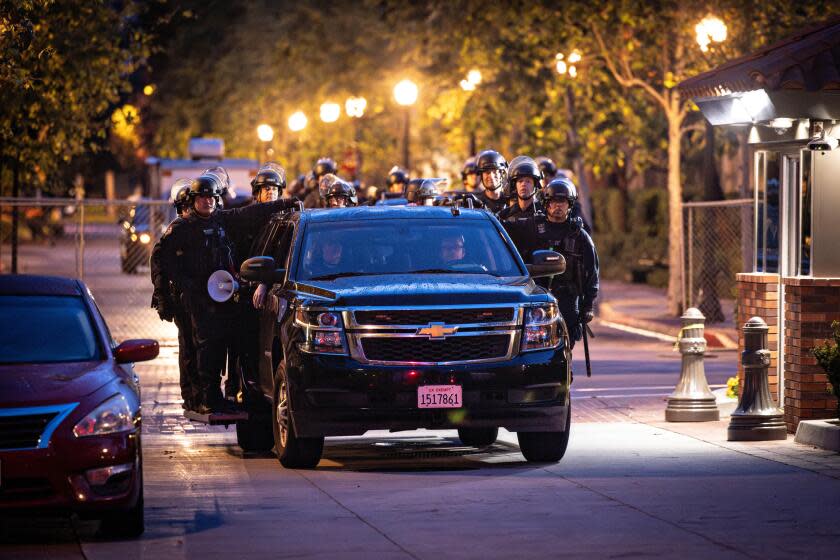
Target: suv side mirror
261, 269
546, 263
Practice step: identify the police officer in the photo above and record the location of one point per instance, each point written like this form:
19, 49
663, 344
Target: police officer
492, 168
340, 194
167, 301
469, 175
193, 248
395, 186
524, 180
577, 288
422, 192
548, 169
315, 197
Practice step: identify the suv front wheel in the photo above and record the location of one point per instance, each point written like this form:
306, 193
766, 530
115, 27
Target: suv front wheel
545, 447
292, 451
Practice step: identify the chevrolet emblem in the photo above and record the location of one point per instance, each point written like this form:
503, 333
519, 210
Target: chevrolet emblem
437, 330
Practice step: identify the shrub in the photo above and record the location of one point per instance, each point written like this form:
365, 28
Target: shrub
828, 357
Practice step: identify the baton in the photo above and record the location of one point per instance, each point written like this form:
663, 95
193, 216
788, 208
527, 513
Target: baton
586, 349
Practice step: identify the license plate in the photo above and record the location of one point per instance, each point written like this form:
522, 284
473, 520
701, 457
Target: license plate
439, 396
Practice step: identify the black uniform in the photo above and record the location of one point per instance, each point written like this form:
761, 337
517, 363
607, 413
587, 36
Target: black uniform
575, 289
191, 250
167, 301
514, 212
494, 206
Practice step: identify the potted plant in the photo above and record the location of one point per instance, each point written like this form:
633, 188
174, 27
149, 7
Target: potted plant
828, 357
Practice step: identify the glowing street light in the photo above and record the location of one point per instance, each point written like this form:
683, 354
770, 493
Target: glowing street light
710, 29
474, 76
330, 112
568, 65
472, 81
467, 85
265, 133
355, 107
297, 121
405, 93
148, 90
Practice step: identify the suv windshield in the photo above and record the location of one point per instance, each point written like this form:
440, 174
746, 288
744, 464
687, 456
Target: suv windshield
334, 249
45, 329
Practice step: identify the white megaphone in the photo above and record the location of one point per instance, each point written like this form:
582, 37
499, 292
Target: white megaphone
221, 286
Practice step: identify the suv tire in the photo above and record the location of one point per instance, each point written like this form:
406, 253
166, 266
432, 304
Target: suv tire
545, 447
478, 437
292, 451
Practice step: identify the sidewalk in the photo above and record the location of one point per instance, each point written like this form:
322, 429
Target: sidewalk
642, 307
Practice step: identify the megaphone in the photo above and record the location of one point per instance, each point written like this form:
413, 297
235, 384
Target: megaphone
221, 286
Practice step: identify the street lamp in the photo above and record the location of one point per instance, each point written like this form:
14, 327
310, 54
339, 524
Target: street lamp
710, 29
405, 93
330, 112
297, 122
355, 109
468, 85
266, 134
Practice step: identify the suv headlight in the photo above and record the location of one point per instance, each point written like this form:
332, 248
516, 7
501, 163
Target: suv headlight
541, 327
111, 417
324, 330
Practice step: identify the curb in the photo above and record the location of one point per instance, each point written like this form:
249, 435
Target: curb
715, 338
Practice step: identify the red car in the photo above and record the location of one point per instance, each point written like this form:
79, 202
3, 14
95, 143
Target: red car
69, 407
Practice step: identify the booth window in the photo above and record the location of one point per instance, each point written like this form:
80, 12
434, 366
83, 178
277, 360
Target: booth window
767, 173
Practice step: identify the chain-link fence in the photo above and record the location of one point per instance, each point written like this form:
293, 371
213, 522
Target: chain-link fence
716, 247
106, 244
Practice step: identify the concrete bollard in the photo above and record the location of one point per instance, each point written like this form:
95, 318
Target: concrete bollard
692, 401
757, 418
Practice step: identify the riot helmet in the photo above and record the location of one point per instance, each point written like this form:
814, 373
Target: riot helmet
548, 167
323, 166
340, 194
222, 175
561, 188
179, 195
422, 192
470, 168
520, 167
397, 176
491, 161
205, 186
270, 176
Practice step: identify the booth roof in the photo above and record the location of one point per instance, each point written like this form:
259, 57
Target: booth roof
808, 60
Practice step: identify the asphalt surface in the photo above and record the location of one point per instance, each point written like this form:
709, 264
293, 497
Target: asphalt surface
630, 485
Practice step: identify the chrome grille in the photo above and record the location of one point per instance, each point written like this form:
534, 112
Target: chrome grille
462, 316
423, 349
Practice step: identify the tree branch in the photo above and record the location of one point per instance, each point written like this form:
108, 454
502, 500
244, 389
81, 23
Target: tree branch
627, 80
696, 127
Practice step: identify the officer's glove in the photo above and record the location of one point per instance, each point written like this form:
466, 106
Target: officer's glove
586, 316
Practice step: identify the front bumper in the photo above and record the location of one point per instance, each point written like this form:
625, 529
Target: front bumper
51, 480
333, 395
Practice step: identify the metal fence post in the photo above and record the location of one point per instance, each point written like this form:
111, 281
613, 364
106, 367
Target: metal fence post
692, 401
757, 418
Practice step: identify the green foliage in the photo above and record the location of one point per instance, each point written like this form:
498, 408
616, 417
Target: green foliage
828, 357
64, 64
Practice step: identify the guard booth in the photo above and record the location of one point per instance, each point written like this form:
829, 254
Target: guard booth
786, 100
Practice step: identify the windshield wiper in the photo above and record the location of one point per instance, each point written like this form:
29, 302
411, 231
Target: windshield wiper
345, 275
430, 271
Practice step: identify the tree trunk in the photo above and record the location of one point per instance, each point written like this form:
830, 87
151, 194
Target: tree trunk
675, 226
577, 158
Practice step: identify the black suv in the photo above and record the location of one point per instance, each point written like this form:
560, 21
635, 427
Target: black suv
401, 318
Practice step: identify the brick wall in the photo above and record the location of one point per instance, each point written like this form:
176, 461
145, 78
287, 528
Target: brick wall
811, 304
758, 296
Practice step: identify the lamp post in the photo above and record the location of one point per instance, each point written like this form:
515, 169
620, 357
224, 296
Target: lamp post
297, 122
567, 65
405, 93
710, 30
469, 85
355, 109
266, 134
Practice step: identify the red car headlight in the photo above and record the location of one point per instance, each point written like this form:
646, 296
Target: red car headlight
113, 416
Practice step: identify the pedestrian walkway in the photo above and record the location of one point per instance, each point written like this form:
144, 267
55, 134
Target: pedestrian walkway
639, 307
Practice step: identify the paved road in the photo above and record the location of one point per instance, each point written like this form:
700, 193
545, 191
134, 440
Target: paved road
629, 486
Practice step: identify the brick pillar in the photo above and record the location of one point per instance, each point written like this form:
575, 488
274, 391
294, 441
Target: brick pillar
811, 304
758, 296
